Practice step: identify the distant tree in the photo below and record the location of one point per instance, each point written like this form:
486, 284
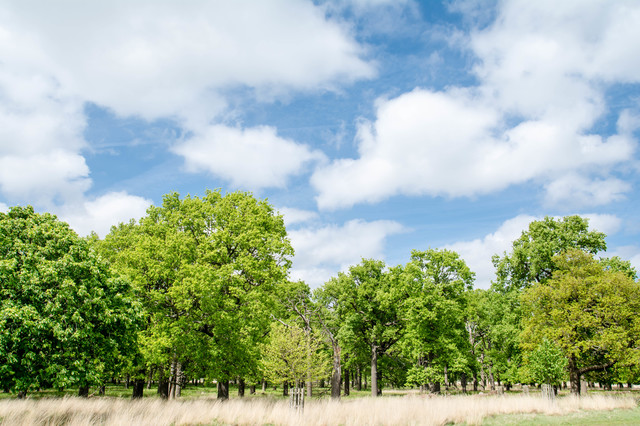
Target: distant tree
531, 257
434, 285
547, 364
206, 269
368, 299
65, 318
588, 311
294, 355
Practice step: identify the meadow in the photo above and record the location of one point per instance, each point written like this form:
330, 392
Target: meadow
398, 408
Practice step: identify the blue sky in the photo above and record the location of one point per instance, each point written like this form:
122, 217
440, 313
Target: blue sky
375, 126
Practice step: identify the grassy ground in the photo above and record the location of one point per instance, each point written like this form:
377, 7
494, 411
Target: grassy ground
199, 406
606, 417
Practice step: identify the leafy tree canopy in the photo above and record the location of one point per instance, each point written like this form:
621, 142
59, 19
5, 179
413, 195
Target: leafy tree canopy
64, 317
531, 257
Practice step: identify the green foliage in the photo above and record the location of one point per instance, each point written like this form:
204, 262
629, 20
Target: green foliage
434, 284
531, 257
206, 270
65, 319
547, 364
293, 355
590, 312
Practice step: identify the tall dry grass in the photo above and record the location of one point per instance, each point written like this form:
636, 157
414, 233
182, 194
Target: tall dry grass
410, 410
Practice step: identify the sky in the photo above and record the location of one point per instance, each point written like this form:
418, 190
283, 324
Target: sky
376, 127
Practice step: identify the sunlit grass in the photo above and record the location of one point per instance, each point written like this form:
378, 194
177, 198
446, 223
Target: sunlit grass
269, 409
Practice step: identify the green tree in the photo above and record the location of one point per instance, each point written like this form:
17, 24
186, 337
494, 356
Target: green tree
294, 355
206, 269
590, 312
65, 319
435, 283
367, 300
531, 257
546, 364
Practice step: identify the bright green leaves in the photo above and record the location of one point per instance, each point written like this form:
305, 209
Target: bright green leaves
294, 355
63, 318
588, 311
547, 363
206, 270
531, 257
435, 283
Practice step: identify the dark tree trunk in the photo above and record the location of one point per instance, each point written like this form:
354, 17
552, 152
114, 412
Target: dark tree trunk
359, 380
241, 386
138, 389
574, 376
126, 381
252, 390
22, 394
285, 388
163, 386
434, 387
83, 391
374, 370
101, 390
336, 374
223, 389
475, 381
463, 382
346, 382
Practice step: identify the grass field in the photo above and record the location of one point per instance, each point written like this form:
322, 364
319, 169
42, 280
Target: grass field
199, 406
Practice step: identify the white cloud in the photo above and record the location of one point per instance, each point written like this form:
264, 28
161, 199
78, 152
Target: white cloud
543, 71
157, 59
253, 158
630, 253
44, 178
154, 60
293, 216
418, 146
102, 213
576, 191
321, 253
478, 253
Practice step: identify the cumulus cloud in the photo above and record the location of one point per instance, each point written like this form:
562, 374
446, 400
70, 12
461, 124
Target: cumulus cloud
478, 253
157, 60
252, 158
321, 252
294, 216
103, 212
417, 145
542, 73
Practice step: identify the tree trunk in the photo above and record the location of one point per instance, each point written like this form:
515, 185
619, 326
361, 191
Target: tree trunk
574, 376
336, 374
101, 390
264, 385
138, 388
172, 379
180, 380
374, 370
285, 388
463, 382
346, 382
163, 385
83, 391
434, 387
446, 378
241, 386
223, 389
359, 380
475, 381
492, 382
22, 394
252, 390
150, 378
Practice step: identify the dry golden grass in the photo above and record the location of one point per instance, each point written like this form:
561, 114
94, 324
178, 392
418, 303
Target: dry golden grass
409, 410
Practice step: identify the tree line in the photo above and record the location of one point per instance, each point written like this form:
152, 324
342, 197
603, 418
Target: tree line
199, 289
